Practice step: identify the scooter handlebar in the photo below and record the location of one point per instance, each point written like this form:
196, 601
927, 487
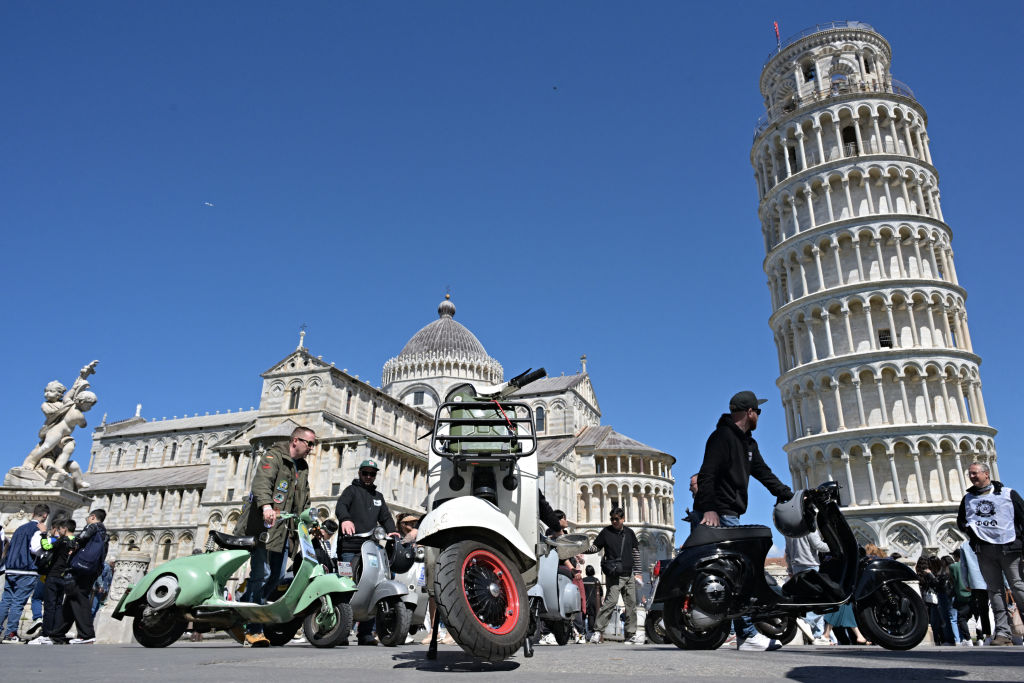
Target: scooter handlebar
522, 380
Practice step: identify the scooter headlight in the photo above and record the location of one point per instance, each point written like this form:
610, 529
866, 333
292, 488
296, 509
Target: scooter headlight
379, 533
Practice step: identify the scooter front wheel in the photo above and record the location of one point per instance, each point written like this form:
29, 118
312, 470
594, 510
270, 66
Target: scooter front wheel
327, 629
894, 616
687, 638
654, 627
393, 621
482, 599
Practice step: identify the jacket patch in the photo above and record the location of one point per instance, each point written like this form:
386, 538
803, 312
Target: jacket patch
278, 497
282, 485
266, 467
376, 502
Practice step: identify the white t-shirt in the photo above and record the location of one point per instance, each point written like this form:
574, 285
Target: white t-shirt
990, 516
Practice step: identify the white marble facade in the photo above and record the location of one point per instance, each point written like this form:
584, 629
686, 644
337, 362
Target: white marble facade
166, 482
878, 375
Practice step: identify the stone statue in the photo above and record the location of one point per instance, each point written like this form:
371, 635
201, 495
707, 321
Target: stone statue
64, 410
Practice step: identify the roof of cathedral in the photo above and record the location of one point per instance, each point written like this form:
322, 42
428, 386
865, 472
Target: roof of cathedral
154, 477
550, 450
550, 385
184, 423
445, 336
602, 438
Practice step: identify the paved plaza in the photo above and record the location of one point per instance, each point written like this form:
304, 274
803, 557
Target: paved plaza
223, 661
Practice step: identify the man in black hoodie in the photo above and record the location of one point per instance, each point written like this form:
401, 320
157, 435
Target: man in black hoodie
731, 456
360, 509
992, 515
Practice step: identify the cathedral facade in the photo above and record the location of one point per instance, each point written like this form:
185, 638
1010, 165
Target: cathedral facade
167, 483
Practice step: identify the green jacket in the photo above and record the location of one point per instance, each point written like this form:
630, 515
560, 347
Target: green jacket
282, 482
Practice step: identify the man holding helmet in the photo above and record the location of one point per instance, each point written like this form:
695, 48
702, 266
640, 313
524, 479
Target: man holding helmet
731, 456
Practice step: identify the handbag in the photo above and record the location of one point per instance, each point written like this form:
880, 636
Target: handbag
614, 567
930, 597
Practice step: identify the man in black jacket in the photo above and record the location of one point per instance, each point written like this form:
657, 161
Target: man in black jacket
731, 456
360, 509
61, 548
992, 515
78, 586
621, 567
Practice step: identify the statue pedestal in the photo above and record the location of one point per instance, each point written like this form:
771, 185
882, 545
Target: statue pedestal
129, 569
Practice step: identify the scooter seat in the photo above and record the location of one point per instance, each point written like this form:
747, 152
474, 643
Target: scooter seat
229, 542
707, 535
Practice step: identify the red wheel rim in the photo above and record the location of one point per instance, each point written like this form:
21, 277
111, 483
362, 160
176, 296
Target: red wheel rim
490, 591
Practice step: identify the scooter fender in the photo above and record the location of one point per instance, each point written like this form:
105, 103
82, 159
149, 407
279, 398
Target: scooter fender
325, 585
877, 572
468, 516
675, 579
198, 577
570, 602
547, 587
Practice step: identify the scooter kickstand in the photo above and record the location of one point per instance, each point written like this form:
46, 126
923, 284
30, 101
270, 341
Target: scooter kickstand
527, 647
432, 649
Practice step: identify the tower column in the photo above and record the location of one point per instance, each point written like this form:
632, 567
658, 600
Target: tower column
942, 477
860, 403
845, 457
871, 477
896, 492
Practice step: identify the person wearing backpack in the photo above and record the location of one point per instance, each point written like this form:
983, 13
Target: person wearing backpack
52, 561
89, 550
21, 571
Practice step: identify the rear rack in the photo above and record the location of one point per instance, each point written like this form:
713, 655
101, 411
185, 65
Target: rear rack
486, 430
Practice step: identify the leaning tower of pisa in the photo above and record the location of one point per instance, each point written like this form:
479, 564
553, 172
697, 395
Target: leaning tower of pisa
877, 373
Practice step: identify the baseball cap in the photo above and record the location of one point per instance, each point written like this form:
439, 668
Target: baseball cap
745, 400
368, 464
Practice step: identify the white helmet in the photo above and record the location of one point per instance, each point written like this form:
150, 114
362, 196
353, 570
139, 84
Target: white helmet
795, 517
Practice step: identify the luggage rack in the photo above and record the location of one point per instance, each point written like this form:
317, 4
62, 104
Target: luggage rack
484, 431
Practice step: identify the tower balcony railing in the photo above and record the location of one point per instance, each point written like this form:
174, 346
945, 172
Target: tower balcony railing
838, 88
818, 28
850, 150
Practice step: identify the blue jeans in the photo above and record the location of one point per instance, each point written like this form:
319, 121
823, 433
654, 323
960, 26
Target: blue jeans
365, 628
38, 596
265, 571
18, 588
744, 626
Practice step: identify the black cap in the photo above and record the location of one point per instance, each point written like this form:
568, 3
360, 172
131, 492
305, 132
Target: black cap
745, 400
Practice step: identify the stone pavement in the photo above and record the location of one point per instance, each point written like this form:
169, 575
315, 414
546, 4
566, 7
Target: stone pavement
226, 662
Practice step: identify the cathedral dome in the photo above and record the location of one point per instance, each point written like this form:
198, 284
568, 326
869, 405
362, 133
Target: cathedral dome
444, 336
439, 353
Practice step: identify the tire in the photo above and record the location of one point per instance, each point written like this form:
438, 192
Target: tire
688, 638
332, 631
561, 630
482, 600
158, 628
654, 627
281, 634
393, 620
894, 617
782, 629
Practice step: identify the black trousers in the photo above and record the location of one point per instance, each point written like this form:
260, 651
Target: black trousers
979, 609
77, 607
53, 604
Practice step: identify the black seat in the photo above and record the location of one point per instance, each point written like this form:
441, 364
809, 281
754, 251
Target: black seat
229, 542
707, 535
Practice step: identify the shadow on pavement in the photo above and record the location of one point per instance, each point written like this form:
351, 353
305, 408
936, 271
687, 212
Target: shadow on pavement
850, 673
455, 662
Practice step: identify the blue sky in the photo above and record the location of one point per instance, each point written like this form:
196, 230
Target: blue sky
577, 172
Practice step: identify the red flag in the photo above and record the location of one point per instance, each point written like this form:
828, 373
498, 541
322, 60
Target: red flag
777, 39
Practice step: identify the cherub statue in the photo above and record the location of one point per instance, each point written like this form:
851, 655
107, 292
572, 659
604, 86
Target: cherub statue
64, 410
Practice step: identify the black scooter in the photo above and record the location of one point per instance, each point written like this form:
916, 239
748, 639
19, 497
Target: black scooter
719, 576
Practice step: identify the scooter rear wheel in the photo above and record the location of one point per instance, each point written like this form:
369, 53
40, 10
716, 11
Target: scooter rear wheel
281, 634
482, 600
158, 628
782, 629
687, 638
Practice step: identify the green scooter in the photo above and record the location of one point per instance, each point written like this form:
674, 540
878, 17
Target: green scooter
191, 589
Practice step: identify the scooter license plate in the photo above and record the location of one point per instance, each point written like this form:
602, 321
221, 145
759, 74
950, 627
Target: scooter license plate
345, 569
421, 579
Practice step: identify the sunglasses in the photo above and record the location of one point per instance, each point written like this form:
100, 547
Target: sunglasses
756, 410
367, 473
616, 519
306, 441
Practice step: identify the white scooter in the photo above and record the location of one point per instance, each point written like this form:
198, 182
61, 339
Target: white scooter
481, 529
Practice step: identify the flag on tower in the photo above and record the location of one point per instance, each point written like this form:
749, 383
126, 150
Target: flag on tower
778, 41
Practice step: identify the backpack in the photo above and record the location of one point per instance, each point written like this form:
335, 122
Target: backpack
88, 561
45, 559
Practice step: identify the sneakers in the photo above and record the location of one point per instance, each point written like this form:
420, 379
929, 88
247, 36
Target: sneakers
256, 640
595, 638
730, 641
580, 640
36, 629
549, 639
636, 639
997, 641
759, 643
965, 643
821, 641
12, 638
87, 641
41, 640
367, 640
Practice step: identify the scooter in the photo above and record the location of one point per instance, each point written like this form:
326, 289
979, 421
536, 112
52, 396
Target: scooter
719, 576
654, 619
481, 535
555, 599
191, 589
377, 595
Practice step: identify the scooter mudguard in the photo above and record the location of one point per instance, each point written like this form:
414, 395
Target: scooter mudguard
547, 586
324, 585
197, 577
471, 516
878, 572
570, 602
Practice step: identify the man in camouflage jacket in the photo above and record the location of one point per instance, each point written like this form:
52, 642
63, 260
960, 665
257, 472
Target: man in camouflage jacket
280, 484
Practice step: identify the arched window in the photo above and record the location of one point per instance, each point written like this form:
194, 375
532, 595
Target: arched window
145, 453
174, 450
199, 450
541, 419
166, 555
293, 398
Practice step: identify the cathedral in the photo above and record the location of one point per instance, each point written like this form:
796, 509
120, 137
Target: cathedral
167, 483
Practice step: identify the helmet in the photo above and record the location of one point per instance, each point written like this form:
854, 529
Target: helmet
795, 517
